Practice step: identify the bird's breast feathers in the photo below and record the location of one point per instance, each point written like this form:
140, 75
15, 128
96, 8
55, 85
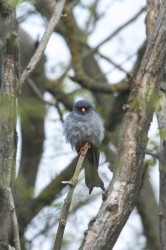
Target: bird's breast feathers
81, 128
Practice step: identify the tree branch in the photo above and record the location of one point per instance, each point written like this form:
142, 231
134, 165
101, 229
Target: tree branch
9, 65
128, 177
14, 221
161, 117
155, 155
147, 207
43, 43
38, 93
61, 96
152, 12
113, 63
90, 84
93, 17
66, 206
153, 242
94, 50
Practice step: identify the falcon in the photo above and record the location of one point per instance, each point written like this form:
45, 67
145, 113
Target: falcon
84, 125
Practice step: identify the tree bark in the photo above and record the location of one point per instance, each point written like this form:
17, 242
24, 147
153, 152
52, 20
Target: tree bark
161, 115
8, 138
130, 170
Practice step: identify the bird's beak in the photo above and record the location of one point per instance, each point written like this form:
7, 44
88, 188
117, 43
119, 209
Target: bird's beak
83, 109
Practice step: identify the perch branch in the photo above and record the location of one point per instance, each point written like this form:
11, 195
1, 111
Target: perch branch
66, 206
43, 43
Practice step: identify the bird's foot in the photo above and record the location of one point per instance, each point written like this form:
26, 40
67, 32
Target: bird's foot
82, 149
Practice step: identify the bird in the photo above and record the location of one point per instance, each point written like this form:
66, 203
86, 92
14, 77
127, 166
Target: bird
84, 125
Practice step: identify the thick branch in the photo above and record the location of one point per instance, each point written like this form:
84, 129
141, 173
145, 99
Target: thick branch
152, 12
161, 115
128, 177
8, 77
89, 83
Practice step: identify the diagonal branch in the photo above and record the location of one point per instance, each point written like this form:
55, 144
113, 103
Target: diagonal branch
39, 94
130, 170
94, 50
66, 206
113, 63
43, 43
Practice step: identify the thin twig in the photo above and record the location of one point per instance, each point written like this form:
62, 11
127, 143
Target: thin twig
66, 206
14, 222
99, 76
39, 94
59, 112
73, 3
112, 62
93, 15
43, 43
95, 49
155, 155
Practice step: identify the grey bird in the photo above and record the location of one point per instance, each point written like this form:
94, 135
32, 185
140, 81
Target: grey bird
83, 125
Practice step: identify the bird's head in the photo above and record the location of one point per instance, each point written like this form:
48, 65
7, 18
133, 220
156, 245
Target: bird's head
83, 107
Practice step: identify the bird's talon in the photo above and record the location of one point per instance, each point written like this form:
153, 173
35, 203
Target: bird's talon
82, 150
87, 145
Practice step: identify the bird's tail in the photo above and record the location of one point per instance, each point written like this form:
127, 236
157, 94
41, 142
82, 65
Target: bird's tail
92, 178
